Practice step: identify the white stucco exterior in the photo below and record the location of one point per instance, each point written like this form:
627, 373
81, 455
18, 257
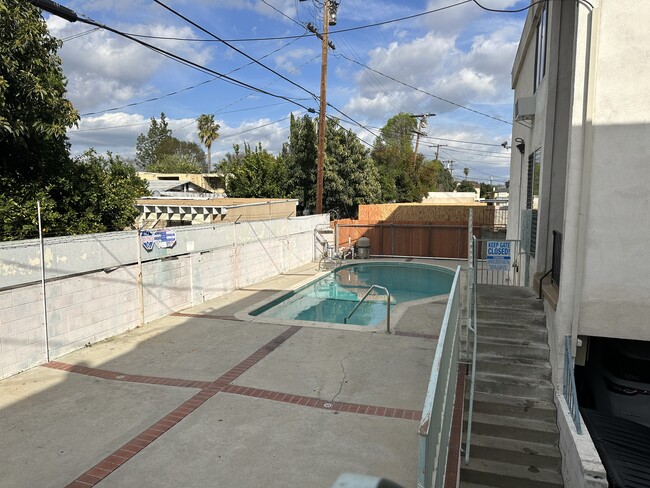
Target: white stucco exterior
591, 128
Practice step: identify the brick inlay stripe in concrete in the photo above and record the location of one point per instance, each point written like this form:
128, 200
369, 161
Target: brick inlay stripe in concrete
418, 335
101, 470
397, 413
130, 378
206, 316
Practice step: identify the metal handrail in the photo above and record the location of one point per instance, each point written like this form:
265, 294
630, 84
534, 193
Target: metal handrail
569, 389
473, 327
345, 320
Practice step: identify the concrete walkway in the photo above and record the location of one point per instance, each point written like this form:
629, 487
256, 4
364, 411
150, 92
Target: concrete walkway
201, 399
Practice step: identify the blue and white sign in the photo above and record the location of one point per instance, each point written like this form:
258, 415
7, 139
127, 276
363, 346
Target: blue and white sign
498, 255
164, 238
147, 239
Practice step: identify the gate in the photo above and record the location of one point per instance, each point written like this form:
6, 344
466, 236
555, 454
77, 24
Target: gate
499, 261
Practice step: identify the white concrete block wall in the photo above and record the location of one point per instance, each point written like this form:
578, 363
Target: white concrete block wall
89, 308
581, 465
22, 334
92, 306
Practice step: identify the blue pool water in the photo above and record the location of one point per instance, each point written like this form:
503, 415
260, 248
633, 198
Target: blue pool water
332, 297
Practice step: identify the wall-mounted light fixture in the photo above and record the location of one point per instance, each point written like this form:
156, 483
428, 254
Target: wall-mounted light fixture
521, 145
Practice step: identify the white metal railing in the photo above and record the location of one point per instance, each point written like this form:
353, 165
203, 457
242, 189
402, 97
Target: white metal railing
437, 414
569, 389
374, 287
472, 326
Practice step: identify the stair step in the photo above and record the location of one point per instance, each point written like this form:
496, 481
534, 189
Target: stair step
524, 429
510, 303
501, 331
514, 350
506, 475
505, 291
509, 316
514, 451
524, 366
508, 406
514, 386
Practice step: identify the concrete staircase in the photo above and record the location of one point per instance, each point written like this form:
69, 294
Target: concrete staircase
514, 434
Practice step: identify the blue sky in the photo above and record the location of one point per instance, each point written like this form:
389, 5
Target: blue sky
462, 54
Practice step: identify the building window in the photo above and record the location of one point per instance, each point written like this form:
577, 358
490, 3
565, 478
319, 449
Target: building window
532, 194
540, 48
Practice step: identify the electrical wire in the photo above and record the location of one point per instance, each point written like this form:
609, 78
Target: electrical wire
79, 34
176, 92
193, 65
316, 18
234, 48
282, 13
478, 112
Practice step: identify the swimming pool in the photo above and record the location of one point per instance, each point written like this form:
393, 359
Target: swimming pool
332, 297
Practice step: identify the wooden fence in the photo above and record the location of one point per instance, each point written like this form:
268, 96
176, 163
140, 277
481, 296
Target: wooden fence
408, 238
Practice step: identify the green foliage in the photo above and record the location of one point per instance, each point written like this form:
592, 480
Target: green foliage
465, 186
91, 194
34, 113
350, 175
300, 156
160, 149
255, 174
487, 190
208, 133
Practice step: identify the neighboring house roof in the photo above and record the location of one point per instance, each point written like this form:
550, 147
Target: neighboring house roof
159, 187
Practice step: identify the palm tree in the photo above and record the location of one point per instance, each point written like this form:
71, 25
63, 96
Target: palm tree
208, 133
466, 172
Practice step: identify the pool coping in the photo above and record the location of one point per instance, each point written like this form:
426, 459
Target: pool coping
396, 313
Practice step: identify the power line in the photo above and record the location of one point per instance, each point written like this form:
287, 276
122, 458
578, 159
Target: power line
191, 22
71, 16
424, 91
280, 38
176, 92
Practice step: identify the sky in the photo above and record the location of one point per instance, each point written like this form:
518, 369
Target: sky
454, 62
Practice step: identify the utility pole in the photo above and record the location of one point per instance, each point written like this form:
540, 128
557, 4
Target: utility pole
329, 18
423, 124
438, 146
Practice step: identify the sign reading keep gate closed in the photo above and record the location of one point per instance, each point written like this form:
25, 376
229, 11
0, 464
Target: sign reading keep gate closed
498, 255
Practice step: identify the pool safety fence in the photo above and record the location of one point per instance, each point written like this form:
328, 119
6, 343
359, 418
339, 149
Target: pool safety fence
500, 261
59, 294
437, 414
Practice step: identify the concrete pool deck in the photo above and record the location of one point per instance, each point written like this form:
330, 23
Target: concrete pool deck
200, 398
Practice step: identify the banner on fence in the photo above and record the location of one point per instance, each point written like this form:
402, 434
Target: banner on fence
498, 255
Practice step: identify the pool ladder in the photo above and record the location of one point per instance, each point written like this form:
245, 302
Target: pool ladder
373, 287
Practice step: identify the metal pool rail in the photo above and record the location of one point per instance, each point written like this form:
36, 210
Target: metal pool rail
373, 287
435, 426
570, 385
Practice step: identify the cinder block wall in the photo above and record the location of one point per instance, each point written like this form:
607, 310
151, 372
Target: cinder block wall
98, 302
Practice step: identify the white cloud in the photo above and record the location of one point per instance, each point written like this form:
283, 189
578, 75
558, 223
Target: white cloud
438, 65
104, 69
288, 60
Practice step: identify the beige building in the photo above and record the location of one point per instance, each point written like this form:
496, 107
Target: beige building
173, 212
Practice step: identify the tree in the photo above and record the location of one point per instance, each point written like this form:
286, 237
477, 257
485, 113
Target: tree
401, 179
299, 156
466, 172
91, 194
34, 113
256, 174
350, 175
147, 146
208, 133
487, 190
465, 186
159, 149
